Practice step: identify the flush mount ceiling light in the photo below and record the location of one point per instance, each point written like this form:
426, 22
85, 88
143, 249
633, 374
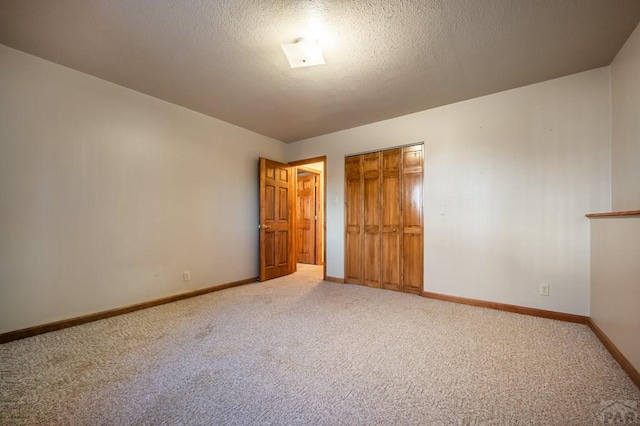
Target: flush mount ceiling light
303, 53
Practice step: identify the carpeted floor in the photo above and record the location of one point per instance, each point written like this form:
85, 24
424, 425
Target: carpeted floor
298, 350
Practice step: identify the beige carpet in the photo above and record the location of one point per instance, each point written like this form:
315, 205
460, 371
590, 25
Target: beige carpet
297, 350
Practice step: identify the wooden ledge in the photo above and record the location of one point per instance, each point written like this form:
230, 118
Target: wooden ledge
615, 214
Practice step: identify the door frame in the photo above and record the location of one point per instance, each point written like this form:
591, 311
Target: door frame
318, 213
303, 162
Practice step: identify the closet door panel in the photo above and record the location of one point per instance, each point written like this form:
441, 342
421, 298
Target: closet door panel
371, 203
412, 208
391, 261
412, 232
412, 263
353, 220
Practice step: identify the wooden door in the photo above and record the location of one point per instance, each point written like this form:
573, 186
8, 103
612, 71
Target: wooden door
320, 220
306, 216
412, 230
371, 213
391, 220
277, 255
383, 219
353, 220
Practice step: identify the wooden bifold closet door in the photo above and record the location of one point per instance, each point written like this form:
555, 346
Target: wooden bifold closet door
383, 219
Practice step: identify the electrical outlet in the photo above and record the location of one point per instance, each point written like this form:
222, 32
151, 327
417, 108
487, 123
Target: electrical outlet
186, 275
544, 289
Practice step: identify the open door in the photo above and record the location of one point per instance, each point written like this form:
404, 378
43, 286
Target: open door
277, 198
307, 216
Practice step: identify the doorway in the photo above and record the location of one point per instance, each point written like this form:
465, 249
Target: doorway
278, 218
310, 205
308, 216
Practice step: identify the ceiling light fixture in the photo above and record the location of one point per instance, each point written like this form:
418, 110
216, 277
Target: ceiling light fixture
303, 53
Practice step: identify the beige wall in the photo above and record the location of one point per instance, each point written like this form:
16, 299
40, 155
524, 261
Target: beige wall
108, 195
508, 179
625, 140
615, 282
615, 242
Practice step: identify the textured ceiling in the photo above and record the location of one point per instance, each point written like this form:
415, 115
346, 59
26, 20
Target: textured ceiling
384, 58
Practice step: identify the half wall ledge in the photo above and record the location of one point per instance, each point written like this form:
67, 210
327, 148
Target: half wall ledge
614, 214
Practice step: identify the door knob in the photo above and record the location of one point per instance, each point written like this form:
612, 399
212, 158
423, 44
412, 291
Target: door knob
263, 226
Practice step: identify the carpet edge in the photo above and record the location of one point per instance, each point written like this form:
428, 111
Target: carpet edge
631, 371
71, 322
615, 352
560, 316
